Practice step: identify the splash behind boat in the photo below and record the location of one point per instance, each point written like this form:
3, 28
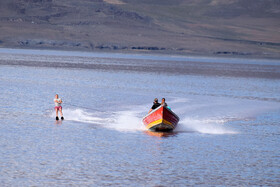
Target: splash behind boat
161, 119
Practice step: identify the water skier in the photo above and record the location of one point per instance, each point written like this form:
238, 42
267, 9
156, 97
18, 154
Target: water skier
58, 107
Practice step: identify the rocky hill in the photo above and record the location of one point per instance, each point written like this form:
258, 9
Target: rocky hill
198, 27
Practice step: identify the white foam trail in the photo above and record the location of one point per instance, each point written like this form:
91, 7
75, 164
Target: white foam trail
124, 121
80, 115
203, 115
131, 121
205, 126
127, 121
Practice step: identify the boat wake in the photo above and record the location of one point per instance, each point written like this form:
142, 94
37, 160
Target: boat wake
204, 126
81, 115
203, 117
127, 121
124, 121
212, 115
131, 121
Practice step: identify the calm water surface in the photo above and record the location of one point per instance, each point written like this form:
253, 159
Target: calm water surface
228, 132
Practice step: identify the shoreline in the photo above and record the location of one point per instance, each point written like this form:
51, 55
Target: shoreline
134, 54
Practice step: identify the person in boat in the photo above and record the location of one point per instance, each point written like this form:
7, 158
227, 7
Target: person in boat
58, 107
155, 105
163, 103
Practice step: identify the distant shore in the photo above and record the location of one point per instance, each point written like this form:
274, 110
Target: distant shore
151, 51
127, 54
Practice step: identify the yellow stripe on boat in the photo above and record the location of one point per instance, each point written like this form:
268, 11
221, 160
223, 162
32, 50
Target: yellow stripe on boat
167, 122
154, 123
159, 122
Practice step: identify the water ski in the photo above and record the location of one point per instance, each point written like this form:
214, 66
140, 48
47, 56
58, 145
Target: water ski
57, 118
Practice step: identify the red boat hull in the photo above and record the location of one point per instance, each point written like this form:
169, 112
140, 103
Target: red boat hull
161, 119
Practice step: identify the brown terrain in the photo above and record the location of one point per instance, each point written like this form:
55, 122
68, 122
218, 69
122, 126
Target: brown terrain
242, 28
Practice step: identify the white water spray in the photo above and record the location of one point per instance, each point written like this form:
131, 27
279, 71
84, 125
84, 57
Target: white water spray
202, 117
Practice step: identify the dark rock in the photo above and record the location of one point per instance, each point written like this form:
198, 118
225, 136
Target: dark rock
230, 53
23, 43
150, 48
103, 47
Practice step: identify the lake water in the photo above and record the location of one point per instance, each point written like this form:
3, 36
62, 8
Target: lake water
228, 134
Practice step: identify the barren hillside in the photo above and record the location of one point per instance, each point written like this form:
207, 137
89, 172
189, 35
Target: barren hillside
201, 27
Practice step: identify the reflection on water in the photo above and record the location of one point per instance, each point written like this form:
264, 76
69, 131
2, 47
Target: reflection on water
58, 122
160, 134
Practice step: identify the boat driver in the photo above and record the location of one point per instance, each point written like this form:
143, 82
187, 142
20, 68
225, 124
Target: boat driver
155, 105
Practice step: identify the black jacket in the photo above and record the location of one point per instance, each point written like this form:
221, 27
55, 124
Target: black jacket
155, 106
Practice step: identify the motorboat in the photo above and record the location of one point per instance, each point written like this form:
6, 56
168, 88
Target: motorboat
161, 119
